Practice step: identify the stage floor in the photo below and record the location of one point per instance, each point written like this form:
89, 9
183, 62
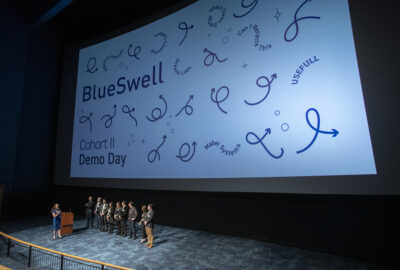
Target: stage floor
177, 248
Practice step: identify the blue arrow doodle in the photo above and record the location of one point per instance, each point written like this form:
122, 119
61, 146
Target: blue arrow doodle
185, 156
213, 57
129, 111
268, 85
83, 119
157, 113
91, 65
251, 5
215, 97
153, 154
184, 26
296, 20
334, 132
109, 118
187, 108
260, 140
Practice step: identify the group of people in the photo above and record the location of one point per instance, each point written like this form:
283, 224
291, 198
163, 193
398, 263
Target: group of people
107, 215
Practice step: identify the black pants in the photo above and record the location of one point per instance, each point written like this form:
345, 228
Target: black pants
111, 226
132, 228
123, 227
89, 219
143, 227
104, 223
118, 222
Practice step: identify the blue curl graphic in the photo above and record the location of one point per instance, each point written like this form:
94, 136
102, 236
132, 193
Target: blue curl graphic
259, 140
187, 108
157, 113
109, 118
129, 111
252, 5
185, 156
153, 154
83, 119
268, 85
184, 26
215, 97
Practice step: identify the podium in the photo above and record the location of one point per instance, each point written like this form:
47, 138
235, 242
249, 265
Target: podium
67, 222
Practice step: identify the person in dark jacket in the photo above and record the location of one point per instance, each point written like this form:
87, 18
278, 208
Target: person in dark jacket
89, 212
149, 222
110, 217
103, 215
117, 217
97, 208
124, 217
141, 223
132, 215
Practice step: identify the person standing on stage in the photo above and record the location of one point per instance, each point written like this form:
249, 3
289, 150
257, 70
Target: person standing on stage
56, 213
110, 217
103, 214
141, 223
117, 217
124, 216
97, 213
89, 212
132, 215
149, 222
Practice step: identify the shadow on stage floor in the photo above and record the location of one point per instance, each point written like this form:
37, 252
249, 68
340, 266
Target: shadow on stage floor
177, 248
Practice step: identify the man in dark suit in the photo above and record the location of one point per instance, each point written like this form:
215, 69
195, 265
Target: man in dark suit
124, 216
97, 213
103, 215
149, 223
132, 215
89, 212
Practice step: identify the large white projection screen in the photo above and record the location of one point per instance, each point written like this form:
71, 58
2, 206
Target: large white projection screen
224, 89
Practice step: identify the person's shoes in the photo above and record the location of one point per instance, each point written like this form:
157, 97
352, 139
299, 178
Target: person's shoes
143, 240
147, 244
150, 246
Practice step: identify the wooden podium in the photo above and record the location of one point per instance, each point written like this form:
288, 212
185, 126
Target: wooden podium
67, 222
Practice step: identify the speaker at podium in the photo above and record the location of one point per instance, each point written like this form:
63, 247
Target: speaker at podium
67, 223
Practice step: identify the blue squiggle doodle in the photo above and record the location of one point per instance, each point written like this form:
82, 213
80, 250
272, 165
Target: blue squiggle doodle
164, 36
213, 57
109, 118
109, 57
84, 119
184, 156
334, 132
136, 51
277, 15
295, 22
216, 100
129, 111
210, 19
153, 154
188, 108
252, 5
184, 26
259, 140
157, 113
91, 68
268, 85
178, 72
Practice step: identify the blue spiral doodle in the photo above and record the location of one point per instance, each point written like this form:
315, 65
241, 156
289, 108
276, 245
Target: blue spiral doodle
164, 37
334, 132
136, 51
184, 26
185, 156
187, 108
91, 68
153, 154
83, 119
259, 140
157, 113
215, 97
268, 85
129, 111
252, 5
109, 118
213, 57
296, 20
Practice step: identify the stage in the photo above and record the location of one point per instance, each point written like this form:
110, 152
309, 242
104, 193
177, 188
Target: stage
175, 248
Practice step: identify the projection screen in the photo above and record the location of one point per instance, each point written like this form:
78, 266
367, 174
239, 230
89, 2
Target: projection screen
228, 95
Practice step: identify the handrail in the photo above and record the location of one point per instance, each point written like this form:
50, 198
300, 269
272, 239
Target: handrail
65, 254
